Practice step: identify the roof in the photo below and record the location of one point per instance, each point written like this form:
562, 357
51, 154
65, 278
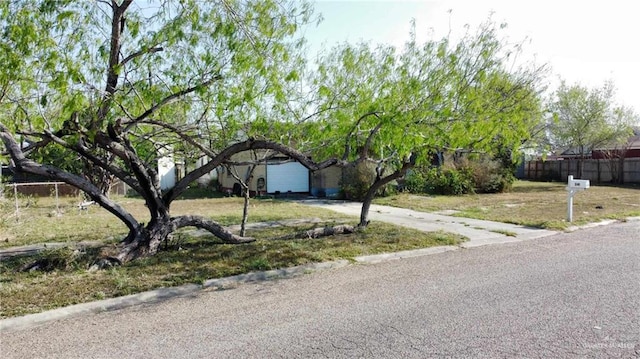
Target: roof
633, 143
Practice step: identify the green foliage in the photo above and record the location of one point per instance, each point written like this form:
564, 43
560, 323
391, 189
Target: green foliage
356, 181
584, 118
60, 157
416, 181
449, 181
387, 104
162, 74
479, 175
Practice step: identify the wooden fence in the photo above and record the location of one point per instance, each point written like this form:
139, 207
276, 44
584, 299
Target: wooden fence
595, 170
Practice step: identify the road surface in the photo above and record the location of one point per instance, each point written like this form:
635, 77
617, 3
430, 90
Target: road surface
568, 295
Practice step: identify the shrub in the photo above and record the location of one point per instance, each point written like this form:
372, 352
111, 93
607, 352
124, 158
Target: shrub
490, 177
416, 181
449, 181
481, 175
356, 181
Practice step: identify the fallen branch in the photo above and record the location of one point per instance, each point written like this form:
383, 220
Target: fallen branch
319, 232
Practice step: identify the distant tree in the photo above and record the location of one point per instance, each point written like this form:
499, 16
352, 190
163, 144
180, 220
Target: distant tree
584, 119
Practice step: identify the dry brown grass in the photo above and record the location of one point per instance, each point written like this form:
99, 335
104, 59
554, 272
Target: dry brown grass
536, 204
38, 221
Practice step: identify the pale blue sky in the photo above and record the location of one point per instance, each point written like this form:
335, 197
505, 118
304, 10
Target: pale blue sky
583, 41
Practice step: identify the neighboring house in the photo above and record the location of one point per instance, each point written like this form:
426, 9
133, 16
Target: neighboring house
631, 149
574, 153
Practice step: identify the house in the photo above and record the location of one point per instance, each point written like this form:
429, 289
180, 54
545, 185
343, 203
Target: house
631, 149
279, 174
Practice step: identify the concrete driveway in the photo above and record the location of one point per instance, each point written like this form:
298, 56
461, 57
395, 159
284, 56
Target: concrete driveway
479, 232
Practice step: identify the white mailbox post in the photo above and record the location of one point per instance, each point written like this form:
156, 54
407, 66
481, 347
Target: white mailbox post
573, 187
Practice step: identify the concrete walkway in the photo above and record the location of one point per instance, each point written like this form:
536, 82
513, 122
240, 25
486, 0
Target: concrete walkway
479, 232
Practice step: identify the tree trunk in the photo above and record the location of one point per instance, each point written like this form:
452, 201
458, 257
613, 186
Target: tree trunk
379, 183
245, 210
368, 198
145, 241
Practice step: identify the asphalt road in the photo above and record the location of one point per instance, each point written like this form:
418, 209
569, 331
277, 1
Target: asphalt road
568, 295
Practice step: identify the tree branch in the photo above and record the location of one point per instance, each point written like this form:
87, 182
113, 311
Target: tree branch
83, 151
169, 99
211, 226
347, 145
23, 164
150, 50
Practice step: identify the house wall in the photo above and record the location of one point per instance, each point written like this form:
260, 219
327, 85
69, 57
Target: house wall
226, 180
326, 182
595, 170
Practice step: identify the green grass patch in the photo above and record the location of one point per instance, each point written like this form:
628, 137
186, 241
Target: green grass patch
505, 232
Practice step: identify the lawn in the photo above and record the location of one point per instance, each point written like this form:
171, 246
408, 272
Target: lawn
38, 220
535, 204
189, 258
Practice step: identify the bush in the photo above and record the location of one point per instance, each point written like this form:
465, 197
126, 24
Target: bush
490, 177
356, 181
415, 181
479, 176
449, 181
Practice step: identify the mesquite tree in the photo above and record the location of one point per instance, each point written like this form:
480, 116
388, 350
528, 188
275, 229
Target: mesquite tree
393, 109
116, 83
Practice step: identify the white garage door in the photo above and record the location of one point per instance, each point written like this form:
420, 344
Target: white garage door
285, 177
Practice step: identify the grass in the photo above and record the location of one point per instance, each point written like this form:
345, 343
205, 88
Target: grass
38, 221
188, 260
63, 278
193, 259
535, 204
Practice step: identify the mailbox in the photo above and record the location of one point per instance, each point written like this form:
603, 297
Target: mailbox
578, 184
573, 186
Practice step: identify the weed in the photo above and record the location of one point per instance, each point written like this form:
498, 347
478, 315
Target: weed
505, 232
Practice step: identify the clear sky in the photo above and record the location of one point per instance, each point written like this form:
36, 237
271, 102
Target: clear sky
586, 42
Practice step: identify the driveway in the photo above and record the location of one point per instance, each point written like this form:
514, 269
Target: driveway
479, 232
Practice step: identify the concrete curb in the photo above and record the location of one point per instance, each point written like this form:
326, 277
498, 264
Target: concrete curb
377, 258
157, 295
601, 223
161, 294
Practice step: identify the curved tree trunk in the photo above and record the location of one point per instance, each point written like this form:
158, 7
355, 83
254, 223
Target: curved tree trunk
145, 241
377, 185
